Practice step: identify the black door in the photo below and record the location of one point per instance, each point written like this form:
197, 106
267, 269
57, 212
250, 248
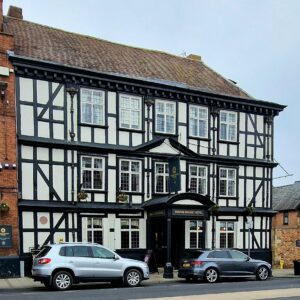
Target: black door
177, 241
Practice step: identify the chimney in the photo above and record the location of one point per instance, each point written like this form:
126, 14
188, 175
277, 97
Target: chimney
194, 57
1, 15
15, 12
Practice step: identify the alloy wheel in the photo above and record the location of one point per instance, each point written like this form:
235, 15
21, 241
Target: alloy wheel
133, 278
211, 275
263, 273
63, 281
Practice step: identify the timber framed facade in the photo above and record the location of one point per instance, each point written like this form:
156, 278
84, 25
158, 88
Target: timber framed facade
93, 151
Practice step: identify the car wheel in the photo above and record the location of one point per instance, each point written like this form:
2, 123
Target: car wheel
262, 273
62, 281
211, 275
133, 278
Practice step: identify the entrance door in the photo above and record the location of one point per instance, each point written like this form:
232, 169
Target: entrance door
159, 240
177, 241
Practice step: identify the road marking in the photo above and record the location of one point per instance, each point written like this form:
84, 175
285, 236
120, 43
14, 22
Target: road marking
255, 295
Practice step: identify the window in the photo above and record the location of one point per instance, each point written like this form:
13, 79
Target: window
92, 106
198, 179
161, 177
218, 254
130, 112
226, 234
286, 218
228, 126
130, 177
94, 230
196, 234
238, 255
227, 182
198, 119
130, 233
165, 117
77, 251
100, 252
92, 169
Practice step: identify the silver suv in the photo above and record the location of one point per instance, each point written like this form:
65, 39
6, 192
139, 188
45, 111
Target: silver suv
60, 265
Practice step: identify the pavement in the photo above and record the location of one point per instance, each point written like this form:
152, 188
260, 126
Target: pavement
155, 278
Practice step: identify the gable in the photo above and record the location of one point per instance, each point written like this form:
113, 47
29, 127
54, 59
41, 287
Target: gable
166, 148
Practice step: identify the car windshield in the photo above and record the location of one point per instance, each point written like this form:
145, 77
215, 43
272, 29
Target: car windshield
192, 255
43, 252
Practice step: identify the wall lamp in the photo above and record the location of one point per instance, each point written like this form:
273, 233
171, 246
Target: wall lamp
3, 87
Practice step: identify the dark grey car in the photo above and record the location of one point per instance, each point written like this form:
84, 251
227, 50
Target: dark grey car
214, 264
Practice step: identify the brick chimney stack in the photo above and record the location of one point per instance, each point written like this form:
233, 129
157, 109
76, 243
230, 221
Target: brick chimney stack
15, 12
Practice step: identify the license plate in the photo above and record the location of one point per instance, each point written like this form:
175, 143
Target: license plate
186, 265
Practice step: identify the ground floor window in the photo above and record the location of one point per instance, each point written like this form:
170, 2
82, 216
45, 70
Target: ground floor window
226, 234
196, 234
94, 230
130, 233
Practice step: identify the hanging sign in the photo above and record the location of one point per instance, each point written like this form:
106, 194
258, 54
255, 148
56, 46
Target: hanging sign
174, 175
5, 236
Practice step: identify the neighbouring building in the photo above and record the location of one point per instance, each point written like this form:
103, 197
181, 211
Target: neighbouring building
100, 124
286, 224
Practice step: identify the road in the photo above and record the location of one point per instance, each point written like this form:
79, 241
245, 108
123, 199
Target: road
275, 288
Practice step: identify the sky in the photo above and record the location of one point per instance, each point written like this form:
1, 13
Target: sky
255, 43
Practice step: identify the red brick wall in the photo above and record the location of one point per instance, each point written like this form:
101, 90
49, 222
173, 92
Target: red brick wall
8, 177
284, 239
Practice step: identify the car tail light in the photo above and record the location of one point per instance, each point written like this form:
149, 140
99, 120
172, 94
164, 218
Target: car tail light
197, 263
44, 261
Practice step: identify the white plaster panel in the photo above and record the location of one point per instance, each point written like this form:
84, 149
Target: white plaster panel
250, 152
111, 235
112, 186
208, 239
58, 131
183, 183
183, 165
241, 170
250, 171
182, 107
136, 199
124, 138
232, 203
27, 181
42, 91
58, 180
70, 222
242, 145
165, 147
192, 145
251, 139
58, 155
112, 158
260, 124
241, 192
137, 139
222, 149
28, 241
42, 153
99, 197
222, 202
187, 234
117, 233
259, 172
56, 218
242, 121
59, 99
27, 219
70, 156
42, 187
203, 147
42, 237
111, 105
259, 153
86, 134
26, 89
27, 125
250, 191
99, 135
233, 150
239, 240
142, 233
58, 115
112, 131
27, 152
43, 129
182, 130
46, 114
43, 220
250, 125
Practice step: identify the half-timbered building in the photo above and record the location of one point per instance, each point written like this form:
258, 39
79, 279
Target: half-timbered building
97, 125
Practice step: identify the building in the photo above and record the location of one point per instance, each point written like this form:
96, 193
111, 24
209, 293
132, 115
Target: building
286, 224
99, 123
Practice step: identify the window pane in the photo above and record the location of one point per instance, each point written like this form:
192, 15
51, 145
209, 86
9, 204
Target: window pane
135, 166
160, 123
98, 163
223, 131
134, 224
159, 107
97, 223
170, 124
160, 168
202, 187
124, 165
135, 182
81, 251
230, 226
159, 184
86, 179
232, 132
223, 187
230, 240
135, 239
193, 240
86, 162
202, 128
223, 173
86, 113
193, 127
193, 170
124, 239
98, 237
98, 177
193, 225
222, 240
223, 117
193, 112
125, 181
193, 185
231, 188
231, 174
232, 118
124, 223
170, 108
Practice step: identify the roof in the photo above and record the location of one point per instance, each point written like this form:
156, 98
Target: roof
287, 197
48, 44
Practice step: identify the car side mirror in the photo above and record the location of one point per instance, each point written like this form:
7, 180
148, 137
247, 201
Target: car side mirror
248, 258
116, 257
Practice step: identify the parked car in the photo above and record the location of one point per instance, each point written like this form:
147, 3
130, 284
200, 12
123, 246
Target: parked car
214, 264
61, 265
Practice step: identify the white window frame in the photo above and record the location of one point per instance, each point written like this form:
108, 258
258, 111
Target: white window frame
130, 230
91, 103
226, 232
165, 114
227, 179
228, 124
198, 119
92, 169
130, 111
165, 176
197, 231
131, 173
198, 177
92, 229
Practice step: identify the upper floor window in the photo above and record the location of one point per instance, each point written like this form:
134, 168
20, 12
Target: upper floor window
198, 179
226, 234
286, 218
227, 182
92, 106
228, 126
130, 112
198, 119
130, 233
130, 175
165, 115
161, 177
92, 169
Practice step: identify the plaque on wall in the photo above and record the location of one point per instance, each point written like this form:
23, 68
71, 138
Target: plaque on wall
5, 236
297, 243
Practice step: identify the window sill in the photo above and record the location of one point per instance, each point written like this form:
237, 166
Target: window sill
228, 142
165, 134
92, 125
132, 193
95, 191
132, 130
199, 138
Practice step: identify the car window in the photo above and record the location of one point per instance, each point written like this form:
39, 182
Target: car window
238, 255
192, 254
219, 254
100, 252
81, 251
45, 250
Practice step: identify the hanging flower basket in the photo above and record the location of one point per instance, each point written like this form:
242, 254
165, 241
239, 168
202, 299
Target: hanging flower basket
250, 210
4, 207
122, 198
82, 195
215, 209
